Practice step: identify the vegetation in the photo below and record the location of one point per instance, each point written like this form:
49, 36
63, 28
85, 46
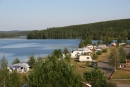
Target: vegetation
122, 55
13, 34
32, 61
99, 31
9, 79
16, 60
97, 78
117, 56
54, 73
114, 60
98, 52
104, 50
65, 51
95, 56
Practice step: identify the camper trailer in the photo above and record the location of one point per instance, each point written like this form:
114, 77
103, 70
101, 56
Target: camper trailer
85, 58
80, 51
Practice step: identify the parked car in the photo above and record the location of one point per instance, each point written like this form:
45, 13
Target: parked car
93, 64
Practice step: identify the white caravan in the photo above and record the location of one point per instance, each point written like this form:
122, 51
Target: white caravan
79, 51
85, 58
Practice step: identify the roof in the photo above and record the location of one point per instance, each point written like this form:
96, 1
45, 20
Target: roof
20, 65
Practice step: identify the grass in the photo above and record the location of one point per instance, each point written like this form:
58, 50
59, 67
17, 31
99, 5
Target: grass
80, 66
121, 81
121, 74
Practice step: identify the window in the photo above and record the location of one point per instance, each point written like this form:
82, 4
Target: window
87, 57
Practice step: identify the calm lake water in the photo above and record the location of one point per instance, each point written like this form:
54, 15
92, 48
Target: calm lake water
23, 49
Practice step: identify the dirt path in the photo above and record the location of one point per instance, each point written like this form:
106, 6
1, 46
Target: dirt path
105, 67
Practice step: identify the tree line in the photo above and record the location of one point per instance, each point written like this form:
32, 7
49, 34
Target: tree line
13, 34
96, 31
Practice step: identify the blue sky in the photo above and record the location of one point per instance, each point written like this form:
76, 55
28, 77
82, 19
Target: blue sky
43, 14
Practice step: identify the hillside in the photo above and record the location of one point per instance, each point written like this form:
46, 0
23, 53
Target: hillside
112, 29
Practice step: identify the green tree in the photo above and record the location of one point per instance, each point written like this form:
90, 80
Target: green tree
81, 44
97, 78
15, 80
57, 53
68, 58
113, 58
122, 54
65, 51
4, 73
54, 73
119, 40
32, 61
16, 60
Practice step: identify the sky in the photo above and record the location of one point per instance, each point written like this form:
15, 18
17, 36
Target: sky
43, 14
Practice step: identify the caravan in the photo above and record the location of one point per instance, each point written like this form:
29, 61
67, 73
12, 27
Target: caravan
85, 58
80, 51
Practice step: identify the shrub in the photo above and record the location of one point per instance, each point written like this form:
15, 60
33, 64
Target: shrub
95, 56
98, 52
104, 50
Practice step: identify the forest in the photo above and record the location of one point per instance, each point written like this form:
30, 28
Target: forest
13, 34
111, 29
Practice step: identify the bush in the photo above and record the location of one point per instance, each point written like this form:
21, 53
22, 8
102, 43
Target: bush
98, 52
97, 78
95, 56
104, 50
54, 73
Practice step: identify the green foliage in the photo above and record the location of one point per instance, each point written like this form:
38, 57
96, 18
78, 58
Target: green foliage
107, 40
16, 60
32, 61
57, 53
3, 63
81, 44
54, 73
9, 79
87, 41
98, 52
3, 72
15, 80
97, 78
119, 40
113, 58
104, 50
95, 56
68, 58
65, 51
122, 54
110, 29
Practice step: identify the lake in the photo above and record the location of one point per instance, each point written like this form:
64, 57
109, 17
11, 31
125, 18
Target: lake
23, 48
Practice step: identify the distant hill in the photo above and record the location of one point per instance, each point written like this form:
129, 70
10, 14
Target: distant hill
110, 29
13, 34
